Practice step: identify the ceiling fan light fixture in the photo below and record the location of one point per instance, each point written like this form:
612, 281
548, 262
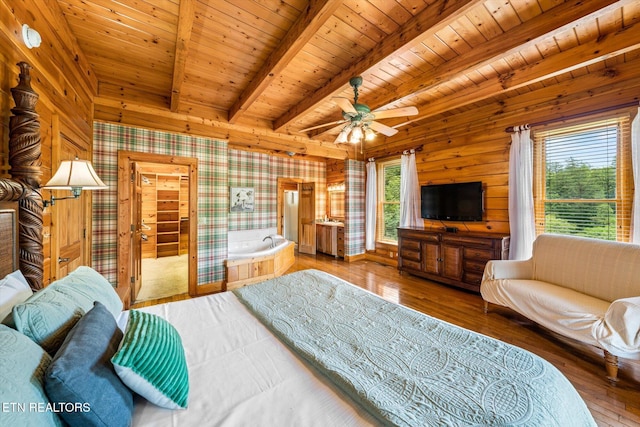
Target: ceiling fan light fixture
342, 137
369, 134
356, 135
362, 122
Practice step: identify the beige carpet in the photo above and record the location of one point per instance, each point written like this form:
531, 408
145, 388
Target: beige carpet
163, 277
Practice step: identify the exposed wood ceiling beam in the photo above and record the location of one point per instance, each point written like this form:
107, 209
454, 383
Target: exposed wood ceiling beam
569, 97
305, 27
113, 110
186, 15
584, 55
432, 19
553, 22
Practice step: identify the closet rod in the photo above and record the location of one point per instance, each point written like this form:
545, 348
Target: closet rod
577, 116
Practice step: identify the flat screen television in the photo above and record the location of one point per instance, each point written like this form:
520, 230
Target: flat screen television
452, 202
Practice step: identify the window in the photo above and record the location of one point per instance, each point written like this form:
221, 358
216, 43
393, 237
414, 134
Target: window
388, 201
583, 179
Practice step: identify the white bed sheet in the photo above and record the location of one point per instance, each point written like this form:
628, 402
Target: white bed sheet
240, 374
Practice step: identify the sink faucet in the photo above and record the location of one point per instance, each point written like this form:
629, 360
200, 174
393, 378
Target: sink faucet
269, 237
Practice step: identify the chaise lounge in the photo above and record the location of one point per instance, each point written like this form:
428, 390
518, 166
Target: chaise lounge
581, 288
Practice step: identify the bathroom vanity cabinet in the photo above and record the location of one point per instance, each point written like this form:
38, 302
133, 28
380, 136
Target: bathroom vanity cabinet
330, 238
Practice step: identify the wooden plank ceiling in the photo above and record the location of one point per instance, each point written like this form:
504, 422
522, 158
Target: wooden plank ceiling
259, 71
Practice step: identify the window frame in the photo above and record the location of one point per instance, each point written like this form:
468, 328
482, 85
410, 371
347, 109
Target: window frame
381, 202
624, 175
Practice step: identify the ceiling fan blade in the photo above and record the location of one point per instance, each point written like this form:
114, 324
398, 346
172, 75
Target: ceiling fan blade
345, 104
383, 129
337, 122
395, 112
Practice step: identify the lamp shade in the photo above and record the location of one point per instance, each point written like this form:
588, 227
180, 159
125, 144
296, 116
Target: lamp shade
356, 135
342, 137
75, 174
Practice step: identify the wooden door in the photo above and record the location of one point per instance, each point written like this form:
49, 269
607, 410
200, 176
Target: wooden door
307, 218
70, 217
136, 229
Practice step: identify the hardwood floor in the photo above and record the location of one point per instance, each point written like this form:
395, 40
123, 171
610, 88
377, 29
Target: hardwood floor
583, 365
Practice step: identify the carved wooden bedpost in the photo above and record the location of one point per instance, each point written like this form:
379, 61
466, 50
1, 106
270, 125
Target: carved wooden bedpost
24, 158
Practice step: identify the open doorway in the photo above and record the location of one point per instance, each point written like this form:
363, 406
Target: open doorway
157, 225
288, 208
164, 230
290, 215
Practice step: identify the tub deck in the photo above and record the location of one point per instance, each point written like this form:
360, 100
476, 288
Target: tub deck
241, 272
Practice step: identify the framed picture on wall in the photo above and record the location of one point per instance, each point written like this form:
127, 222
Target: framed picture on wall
241, 199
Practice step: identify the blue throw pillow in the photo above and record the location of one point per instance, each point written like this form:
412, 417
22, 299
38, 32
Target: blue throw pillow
81, 377
22, 367
151, 361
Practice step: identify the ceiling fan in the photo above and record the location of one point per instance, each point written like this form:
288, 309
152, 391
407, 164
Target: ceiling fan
360, 120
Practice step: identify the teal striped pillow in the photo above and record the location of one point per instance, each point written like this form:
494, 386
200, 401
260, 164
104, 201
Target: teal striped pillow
151, 361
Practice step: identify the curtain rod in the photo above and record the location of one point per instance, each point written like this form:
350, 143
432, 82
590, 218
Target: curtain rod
510, 129
395, 153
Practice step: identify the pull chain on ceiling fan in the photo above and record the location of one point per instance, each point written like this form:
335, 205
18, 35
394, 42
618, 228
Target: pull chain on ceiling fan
361, 121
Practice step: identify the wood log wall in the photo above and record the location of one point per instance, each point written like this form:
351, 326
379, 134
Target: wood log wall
468, 145
62, 78
473, 145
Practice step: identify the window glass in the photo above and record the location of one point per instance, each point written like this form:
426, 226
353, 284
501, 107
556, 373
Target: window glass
389, 201
580, 175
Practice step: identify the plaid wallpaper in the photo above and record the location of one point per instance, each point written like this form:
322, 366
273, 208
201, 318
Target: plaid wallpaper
354, 242
213, 198
261, 171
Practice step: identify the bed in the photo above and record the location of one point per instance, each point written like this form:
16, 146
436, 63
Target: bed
306, 348
303, 349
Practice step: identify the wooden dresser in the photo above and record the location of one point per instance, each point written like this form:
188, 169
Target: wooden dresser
456, 259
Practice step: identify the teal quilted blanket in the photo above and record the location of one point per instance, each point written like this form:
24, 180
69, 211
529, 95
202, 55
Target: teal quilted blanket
407, 368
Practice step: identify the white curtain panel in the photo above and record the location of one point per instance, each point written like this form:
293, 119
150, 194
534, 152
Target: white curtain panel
635, 159
409, 192
370, 206
521, 211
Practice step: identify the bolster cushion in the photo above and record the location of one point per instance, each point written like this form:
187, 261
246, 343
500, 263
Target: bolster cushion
618, 331
507, 269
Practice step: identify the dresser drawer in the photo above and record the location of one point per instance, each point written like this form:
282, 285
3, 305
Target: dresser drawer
478, 254
474, 266
407, 253
472, 278
468, 242
410, 245
414, 265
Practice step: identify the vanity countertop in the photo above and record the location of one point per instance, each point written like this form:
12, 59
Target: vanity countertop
330, 223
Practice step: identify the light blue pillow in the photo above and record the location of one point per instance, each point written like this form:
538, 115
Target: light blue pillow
81, 374
151, 361
22, 367
49, 314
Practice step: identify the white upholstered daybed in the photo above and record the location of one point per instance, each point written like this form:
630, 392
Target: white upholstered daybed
303, 349
583, 288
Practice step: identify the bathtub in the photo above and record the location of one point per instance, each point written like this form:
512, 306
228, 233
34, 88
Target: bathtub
253, 259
